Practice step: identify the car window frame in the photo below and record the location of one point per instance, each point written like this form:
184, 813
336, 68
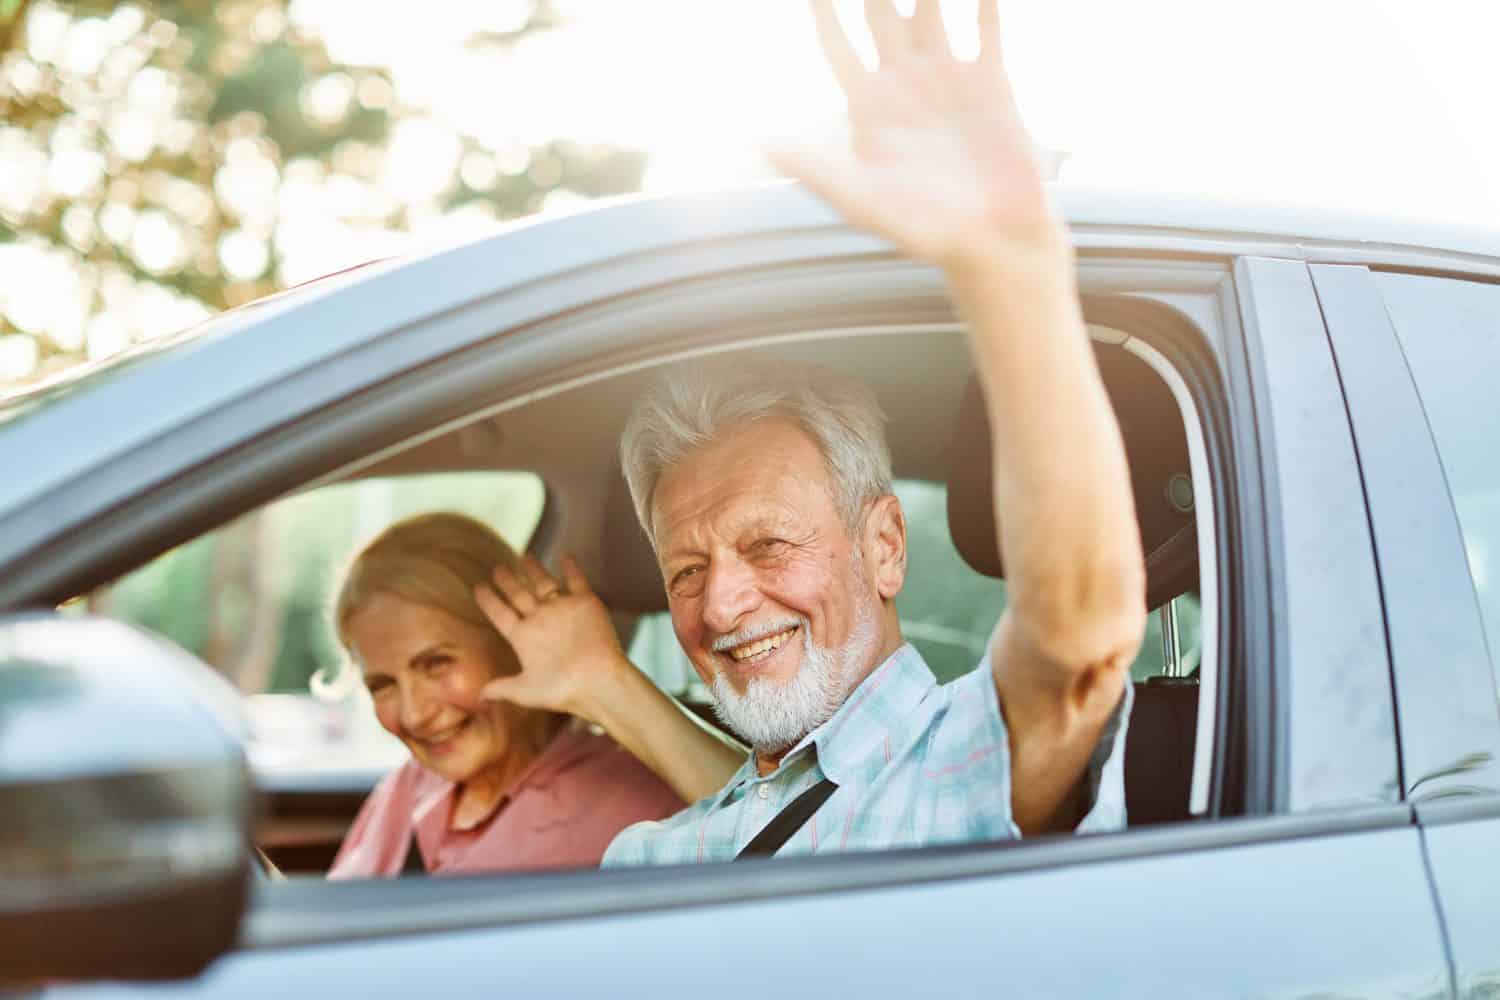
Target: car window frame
1440, 663
1192, 300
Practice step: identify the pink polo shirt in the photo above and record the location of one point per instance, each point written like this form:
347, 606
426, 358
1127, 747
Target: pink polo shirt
562, 813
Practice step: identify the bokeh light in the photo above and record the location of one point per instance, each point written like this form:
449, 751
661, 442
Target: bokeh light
209, 154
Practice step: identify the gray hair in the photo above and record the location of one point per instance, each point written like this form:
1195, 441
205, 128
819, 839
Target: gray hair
694, 404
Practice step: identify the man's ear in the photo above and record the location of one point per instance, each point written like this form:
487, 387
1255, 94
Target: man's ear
885, 545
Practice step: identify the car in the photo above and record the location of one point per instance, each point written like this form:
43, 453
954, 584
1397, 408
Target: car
1308, 410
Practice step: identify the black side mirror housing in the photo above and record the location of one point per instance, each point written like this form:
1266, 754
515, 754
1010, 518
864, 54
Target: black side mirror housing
125, 804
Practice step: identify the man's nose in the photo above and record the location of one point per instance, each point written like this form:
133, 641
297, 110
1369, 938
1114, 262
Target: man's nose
729, 594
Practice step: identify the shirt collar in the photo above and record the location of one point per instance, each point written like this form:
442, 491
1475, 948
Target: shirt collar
891, 691
573, 742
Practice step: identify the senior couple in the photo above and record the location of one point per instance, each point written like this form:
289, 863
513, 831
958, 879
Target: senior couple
766, 494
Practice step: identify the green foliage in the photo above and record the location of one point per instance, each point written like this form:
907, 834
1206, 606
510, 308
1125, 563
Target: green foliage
218, 84
253, 598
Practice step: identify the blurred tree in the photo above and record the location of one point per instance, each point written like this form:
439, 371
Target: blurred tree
161, 157
161, 160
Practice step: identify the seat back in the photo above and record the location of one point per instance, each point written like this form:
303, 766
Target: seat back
1163, 725
1159, 752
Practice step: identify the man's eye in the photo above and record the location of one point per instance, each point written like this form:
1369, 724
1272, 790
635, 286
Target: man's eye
432, 664
686, 579
770, 546
378, 689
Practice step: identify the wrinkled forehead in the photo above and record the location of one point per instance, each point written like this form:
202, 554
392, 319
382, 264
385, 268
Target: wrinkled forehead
768, 471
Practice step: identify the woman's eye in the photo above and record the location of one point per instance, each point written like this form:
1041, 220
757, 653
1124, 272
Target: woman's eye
376, 690
770, 546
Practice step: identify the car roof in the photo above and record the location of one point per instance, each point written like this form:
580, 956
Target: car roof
317, 326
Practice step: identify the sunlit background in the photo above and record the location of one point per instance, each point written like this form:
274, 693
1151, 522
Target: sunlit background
163, 160
160, 161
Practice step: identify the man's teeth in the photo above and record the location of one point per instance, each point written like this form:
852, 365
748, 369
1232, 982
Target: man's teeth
760, 647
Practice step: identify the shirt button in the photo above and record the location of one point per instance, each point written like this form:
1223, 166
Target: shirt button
764, 791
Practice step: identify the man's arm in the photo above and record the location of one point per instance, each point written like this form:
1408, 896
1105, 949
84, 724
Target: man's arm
571, 661
938, 161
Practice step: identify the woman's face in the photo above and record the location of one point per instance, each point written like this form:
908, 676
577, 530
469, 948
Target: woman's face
424, 668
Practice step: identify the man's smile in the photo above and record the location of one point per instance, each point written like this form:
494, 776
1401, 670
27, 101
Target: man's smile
759, 649
755, 644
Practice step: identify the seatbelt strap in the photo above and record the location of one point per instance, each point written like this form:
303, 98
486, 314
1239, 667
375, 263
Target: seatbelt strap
788, 821
413, 865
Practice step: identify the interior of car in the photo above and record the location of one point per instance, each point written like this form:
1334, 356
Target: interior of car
939, 439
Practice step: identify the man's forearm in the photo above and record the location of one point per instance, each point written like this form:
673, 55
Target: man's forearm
1062, 485
657, 731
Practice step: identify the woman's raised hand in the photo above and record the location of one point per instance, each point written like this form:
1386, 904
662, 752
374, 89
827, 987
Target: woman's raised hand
937, 158
561, 633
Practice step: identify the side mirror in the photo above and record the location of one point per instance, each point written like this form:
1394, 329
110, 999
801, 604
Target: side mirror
125, 804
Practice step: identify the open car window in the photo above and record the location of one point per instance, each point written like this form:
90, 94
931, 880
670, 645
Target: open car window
262, 619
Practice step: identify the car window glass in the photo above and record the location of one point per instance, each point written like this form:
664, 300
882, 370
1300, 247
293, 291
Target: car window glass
251, 599
1450, 333
947, 609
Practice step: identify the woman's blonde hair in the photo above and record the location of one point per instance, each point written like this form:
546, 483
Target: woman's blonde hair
432, 559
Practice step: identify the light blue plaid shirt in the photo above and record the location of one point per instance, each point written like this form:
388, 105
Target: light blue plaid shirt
915, 763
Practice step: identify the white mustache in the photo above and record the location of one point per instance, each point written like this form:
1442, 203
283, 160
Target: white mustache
725, 643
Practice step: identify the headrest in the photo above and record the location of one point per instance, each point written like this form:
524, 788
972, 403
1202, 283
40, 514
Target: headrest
1155, 445
631, 578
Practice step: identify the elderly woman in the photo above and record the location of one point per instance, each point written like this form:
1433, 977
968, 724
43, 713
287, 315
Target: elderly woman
491, 785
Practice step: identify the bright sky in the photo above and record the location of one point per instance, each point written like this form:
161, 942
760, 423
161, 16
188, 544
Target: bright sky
1368, 105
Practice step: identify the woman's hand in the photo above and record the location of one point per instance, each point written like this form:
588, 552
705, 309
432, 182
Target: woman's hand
571, 662
937, 157
561, 633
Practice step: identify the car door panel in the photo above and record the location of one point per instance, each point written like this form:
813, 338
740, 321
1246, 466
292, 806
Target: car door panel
1463, 839
1329, 675
1391, 332
1274, 918
1450, 740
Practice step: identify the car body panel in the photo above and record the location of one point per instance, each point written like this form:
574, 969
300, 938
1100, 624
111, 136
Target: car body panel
1450, 724
1462, 839
1329, 898
1328, 654
1255, 920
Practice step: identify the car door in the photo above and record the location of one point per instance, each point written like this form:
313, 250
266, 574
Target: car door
1420, 356
1306, 875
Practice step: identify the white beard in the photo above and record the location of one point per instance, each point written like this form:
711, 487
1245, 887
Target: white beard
773, 716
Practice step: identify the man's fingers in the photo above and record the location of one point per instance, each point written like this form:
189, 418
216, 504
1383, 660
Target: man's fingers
573, 578
888, 28
830, 172
928, 35
500, 614
842, 58
989, 33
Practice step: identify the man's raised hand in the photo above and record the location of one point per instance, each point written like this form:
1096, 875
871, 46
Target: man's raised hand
937, 158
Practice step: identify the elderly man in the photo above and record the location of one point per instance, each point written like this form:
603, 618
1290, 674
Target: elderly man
767, 497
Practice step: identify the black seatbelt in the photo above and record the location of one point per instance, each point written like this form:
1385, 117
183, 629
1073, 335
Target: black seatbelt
788, 821
413, 865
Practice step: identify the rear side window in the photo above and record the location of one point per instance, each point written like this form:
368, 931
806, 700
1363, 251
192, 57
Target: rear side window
1450, 333
252, 599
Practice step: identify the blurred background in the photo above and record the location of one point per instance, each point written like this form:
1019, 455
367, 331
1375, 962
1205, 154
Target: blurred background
163, 160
